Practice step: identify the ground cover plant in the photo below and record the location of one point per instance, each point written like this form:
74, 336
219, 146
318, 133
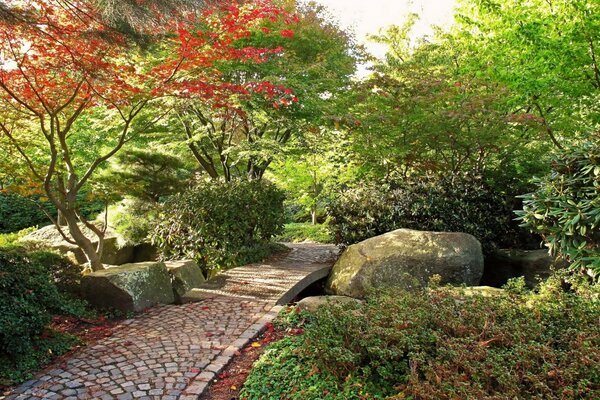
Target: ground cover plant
299, 232
34, 286
440, 344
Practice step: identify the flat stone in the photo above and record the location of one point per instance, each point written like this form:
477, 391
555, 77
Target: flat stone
74, 384
312, 304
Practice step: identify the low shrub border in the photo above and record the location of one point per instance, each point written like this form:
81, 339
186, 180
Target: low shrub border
440, 344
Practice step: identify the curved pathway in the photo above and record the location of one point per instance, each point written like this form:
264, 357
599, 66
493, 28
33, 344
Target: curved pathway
173, 352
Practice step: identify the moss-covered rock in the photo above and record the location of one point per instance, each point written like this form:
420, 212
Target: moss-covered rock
129, 287
404, 259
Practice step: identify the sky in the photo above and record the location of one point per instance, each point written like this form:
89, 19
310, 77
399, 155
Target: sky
368, 16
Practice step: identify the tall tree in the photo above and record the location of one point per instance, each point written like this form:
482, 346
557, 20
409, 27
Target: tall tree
545, 52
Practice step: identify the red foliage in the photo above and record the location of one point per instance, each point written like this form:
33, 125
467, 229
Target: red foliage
62, 56
287, 33
65, 58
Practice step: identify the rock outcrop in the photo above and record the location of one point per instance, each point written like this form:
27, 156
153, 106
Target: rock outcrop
115, 251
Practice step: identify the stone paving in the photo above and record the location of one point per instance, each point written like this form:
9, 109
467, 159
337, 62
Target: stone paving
173, 352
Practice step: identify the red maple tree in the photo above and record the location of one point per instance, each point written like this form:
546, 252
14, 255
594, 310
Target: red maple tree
63, 63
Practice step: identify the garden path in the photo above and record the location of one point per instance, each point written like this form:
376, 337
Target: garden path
173, 352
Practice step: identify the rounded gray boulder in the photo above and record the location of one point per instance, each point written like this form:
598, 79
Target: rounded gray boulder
405, 259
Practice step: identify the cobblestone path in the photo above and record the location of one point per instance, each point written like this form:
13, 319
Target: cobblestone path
173, 352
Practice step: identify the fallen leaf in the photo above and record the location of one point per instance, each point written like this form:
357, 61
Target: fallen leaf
256, 344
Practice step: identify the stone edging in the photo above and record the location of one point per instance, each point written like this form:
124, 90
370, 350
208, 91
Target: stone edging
199, 385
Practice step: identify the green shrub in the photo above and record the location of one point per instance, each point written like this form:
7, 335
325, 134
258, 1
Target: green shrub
433, 203
19, 212
441, 344
299, 232
216, 223
133, 220
65, 274
29, 296
565, 208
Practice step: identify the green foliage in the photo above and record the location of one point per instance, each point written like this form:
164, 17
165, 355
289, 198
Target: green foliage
44, 349
30, 293
441, 344
65, 274
565, 208
20, 212
299, 232
146, 174
10, 239
133, 219
216, 223
455, 204
544, 52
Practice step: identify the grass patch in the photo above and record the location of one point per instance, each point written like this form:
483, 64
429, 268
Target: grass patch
299, 232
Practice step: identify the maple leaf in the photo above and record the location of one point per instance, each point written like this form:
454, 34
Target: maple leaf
287, 33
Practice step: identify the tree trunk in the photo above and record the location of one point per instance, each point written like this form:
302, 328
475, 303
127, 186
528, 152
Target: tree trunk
61, 220
89, 250
313, 214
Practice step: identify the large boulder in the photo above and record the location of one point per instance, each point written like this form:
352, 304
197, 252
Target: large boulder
115, 252
404, 259
129, 287
185, 275
533, 265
